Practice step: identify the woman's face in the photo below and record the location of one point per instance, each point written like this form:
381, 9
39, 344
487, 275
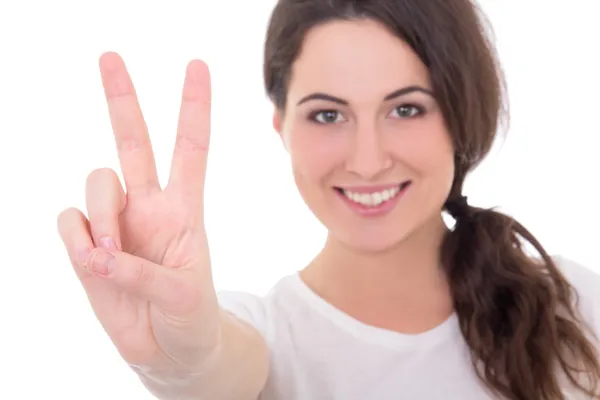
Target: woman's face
370, 151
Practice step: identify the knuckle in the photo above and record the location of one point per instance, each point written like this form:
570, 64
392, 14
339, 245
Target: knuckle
192, 144
65, 215
132, 143
102, 223
101, 217
103, 195
205, 102
72, 226
100, 175
66, 219
140, 274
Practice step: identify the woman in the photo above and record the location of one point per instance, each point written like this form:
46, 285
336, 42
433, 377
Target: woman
384, 107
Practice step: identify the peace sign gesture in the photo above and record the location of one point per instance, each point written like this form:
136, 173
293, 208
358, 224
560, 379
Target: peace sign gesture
142, 253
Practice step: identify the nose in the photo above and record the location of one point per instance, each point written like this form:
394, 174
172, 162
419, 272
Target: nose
368, 156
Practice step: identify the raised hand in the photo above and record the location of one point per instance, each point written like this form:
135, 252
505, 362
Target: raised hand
142, 253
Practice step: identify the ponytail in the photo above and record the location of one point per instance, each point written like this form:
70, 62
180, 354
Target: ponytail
517, 314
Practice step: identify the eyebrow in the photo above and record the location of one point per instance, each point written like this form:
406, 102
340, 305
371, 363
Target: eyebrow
388, 97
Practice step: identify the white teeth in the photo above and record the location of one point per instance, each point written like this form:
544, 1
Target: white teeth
371, 199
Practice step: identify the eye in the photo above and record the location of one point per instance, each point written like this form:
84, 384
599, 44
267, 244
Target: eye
408, 110
325, 116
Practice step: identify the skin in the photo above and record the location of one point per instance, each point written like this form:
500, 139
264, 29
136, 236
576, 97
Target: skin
384, 271
141, 254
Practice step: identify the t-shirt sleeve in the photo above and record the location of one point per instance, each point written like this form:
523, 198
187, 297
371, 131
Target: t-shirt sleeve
248, 307
586, 282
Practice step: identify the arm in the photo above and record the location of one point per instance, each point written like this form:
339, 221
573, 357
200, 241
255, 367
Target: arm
239, 369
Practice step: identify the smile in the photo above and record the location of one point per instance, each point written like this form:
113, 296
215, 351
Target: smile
373, 199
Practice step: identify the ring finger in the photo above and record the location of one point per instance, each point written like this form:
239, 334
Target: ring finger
105, 200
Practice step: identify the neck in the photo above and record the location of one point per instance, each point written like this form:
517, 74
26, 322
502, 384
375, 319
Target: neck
407, 277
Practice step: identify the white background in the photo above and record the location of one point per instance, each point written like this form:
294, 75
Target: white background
55, 129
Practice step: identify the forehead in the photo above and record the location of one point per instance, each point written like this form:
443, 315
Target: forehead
355, 60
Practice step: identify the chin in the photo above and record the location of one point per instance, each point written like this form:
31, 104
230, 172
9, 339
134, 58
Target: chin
383, 235
372, 240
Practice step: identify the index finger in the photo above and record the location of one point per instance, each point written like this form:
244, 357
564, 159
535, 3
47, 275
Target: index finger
131, 133
188, 168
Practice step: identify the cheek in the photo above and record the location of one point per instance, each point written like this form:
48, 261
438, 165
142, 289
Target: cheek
315, 155
426, 148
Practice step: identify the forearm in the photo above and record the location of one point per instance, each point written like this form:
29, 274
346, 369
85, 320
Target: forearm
238, 371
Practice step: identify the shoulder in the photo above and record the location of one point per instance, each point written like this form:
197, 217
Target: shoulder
257, 310
584, 278
246, 306
586, 282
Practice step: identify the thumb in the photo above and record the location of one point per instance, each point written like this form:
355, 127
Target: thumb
172, 290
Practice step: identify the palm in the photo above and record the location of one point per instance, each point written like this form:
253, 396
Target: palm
155, 229
164, 227
148, 230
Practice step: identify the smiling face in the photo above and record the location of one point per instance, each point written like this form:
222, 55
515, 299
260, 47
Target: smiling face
370, 151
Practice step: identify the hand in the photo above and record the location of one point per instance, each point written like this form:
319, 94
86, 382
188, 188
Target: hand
142, 254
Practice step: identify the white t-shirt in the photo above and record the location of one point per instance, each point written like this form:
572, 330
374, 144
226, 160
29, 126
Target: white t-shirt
317, 352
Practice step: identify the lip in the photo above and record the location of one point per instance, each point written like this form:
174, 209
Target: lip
382, 209
371, 189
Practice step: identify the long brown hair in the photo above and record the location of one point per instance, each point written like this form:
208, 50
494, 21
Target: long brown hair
518, 314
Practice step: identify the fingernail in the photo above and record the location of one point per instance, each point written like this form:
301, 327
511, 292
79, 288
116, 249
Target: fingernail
102, 263
108, 243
